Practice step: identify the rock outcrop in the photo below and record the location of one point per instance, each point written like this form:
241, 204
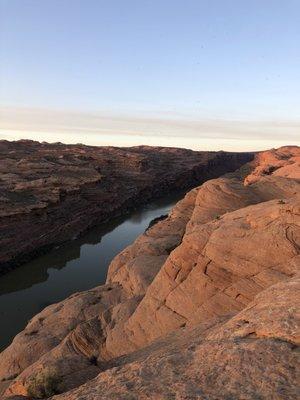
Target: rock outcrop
203, 305
51, 193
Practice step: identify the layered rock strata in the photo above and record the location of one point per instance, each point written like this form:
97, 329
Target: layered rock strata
51, 193
203, 305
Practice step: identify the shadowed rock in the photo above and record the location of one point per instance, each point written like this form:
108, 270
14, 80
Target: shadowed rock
201, 306
51, 193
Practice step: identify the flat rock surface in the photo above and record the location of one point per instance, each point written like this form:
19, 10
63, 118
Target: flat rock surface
203, 305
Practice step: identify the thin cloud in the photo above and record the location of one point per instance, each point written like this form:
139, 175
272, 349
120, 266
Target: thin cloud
92, 128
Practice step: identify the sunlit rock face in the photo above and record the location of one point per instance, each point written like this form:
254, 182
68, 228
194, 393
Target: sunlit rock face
203, 305
51, 193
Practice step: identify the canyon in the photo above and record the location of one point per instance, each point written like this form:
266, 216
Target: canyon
52, 193
203, 305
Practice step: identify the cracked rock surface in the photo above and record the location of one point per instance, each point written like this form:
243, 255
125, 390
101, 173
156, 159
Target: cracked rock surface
51, 193
203, 305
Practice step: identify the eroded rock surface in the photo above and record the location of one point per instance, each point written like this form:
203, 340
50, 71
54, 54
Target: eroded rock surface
203, 305
51, 193
251, 356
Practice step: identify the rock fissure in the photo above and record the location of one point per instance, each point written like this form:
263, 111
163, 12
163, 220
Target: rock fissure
216, 318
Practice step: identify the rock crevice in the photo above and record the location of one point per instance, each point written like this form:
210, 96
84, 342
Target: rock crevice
215, 318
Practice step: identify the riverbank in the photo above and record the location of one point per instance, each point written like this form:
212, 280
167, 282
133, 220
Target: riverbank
74, 266
53, 193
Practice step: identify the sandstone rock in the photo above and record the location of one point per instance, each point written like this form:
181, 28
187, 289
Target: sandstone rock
56, 329
203, 305
50, 193
283, 162
231, 360
219, 268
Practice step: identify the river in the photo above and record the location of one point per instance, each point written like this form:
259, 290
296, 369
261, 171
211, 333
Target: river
72, 267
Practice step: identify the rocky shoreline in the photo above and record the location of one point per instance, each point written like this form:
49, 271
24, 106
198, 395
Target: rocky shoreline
203, 305
52, 193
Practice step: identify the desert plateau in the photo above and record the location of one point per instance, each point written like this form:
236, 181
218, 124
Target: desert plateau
195, 308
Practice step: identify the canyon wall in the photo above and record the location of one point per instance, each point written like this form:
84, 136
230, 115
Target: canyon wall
51, 193
203, 305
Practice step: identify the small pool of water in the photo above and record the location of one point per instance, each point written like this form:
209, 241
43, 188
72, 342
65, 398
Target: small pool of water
75, 266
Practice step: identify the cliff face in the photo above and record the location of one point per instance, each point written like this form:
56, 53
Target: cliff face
201, 306
50, 193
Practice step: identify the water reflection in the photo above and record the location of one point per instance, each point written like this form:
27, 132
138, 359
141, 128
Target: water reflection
36, 270
73, 267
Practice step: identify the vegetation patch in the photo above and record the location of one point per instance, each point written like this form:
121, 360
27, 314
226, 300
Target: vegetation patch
44, 384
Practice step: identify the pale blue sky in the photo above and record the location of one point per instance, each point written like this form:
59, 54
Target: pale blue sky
189, 61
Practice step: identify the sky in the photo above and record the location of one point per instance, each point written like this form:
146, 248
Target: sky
217, 74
